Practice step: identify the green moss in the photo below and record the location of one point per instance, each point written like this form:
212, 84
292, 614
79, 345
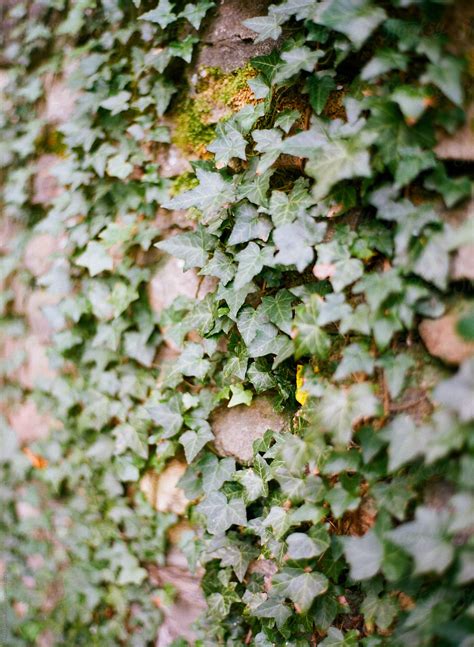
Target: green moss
217, 95
183, 182
192, 134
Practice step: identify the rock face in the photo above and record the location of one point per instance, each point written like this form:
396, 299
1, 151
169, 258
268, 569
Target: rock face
459, 146
162, 491
45, 184
188, 605
39, 253
228, 44
28, 423
237, 428
171, 281
441, 339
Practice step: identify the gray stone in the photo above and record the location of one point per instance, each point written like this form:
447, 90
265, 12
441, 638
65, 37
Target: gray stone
236, 429
171, 281
173, 162
39, 253
28, 423
460, 145
45, 184
228, 44
442, 340
463, 263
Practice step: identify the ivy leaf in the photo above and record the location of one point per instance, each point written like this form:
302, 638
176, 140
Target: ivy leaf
168, 416
295, 60
274, 608
310, 339
265, 26
216, 472
340, 159
249, 321
412, 101
117, 166
355, 359
335, 262
251, 262
333, 308
446, 74
341, 501
286, 119
406, 441
293, 245
259, 87
95, 259
194, 441
340, 409
162, 14
195, 12
425, 540
320, 87
211, 195
222, 514
335, 638
192, 247
300, 546
221, 266
191, 361
456, 392
268, 142
357, 19
239, 396
395, 369
285, 208
278, 309
264, 342
248, 225
301, 587
364, 555
229, 143
384, 61
118, 103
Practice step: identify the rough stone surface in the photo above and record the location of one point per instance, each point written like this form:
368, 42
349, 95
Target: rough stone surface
162, 491
463, 263
35, 367
171, 281
39, 253
37, 321
228, 44
173, 162
189, 603
60, 99
45, 184
442, 341
459, 146
28, 423
237, 428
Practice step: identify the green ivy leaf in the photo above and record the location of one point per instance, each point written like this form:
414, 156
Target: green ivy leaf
364, 555
95, 259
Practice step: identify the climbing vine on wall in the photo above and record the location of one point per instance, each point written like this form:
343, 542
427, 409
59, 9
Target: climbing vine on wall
315, 230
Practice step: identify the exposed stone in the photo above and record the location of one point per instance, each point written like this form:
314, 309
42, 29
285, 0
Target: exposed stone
172, 162
60, 99
39, 253
228, 44
45, 184
34, 367
463, 263
236, 429
9, 230
459, 146
171, 281
162, 491
442, 340
189, 603
166, 220
28, 423
37, 321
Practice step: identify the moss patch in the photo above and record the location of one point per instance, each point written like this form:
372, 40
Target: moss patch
216, 96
